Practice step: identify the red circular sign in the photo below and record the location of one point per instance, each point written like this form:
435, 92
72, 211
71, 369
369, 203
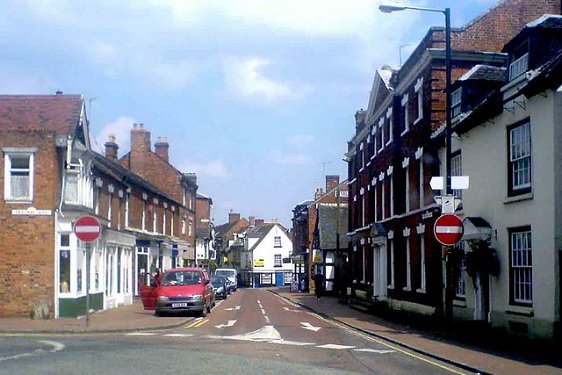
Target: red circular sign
87, 228
448, 229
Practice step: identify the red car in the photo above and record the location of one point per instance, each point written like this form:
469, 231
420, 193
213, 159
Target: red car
180, 290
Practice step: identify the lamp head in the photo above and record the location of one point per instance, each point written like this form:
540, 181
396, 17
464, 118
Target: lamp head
390, 6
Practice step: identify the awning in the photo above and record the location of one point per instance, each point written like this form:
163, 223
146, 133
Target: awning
476, 228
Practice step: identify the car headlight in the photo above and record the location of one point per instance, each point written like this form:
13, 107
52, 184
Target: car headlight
163, 298
197, 297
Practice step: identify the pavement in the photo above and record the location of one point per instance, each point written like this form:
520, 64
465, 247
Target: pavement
484, 353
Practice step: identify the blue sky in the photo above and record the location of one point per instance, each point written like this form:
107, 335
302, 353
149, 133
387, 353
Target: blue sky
255, 96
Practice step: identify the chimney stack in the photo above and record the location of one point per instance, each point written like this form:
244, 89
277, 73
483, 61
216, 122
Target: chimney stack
259, 222
252, 221
233, 217
140, 138
319, 193
111, 148
161, 148
332, 181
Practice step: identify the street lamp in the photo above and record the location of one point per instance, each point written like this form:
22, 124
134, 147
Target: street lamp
389, 7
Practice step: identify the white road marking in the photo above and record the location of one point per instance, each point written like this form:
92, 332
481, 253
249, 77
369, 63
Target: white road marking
267, 319
290, 310
378, 351
262, 311
335, 346
233, 308
57, 346
229, 324
178, 335
310, 327
265, 334
142, 334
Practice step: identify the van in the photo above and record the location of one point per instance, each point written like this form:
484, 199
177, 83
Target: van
231, 274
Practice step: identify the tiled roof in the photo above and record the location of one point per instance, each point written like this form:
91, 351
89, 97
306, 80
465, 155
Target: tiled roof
54, 113
485, 73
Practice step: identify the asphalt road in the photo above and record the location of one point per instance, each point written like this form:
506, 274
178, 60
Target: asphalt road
252, 332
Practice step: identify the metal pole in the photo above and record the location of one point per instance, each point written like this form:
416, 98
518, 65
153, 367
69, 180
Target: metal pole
87, 284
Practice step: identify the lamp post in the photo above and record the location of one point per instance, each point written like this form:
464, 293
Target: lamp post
389, 7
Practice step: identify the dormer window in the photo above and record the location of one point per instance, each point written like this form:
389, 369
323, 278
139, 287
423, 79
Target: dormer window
519, 66
456, 99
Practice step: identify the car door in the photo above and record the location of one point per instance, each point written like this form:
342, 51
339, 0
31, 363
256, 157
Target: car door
149, 296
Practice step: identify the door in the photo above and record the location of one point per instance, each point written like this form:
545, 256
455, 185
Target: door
149, 296
279, 281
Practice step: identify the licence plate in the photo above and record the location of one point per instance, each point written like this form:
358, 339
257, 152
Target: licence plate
182, 304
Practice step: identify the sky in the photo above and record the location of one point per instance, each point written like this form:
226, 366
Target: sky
255, 96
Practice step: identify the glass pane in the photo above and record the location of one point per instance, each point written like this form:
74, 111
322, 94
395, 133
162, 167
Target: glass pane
64, 265
20, 162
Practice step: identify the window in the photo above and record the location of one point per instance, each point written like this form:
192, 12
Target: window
391, 250
408, 286
277, 260
18, 167
521, 266
380, 135
456, 97
456, 170
460, 286
388, 126
143, 227
405, 116
71, 188
422, 263
519, 159
277, 241
418, 89
64, 264
518, 66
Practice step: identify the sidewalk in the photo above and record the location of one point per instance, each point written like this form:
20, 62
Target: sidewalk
127, 318
475, 357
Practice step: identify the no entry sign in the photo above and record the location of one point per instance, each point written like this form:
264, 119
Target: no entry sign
87, 228
448, 229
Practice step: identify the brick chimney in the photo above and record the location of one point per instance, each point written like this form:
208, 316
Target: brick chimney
111, 148
259, 222
140, 138
233, 217
331, 182
319, 193
161, 148
252, 221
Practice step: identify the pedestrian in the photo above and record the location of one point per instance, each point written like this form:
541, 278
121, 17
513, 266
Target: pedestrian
318, 284
157, 277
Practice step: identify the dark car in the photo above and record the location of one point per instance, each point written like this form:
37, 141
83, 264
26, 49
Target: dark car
220, 285
180, 290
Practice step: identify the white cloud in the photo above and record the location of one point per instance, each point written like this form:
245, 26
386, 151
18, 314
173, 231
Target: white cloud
246, 79
301, 140
121, 129
210, 168
290, 158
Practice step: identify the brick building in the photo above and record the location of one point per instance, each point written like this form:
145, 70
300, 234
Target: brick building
392, 157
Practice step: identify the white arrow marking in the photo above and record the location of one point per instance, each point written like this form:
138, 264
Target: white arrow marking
229, 324
57, 346
288, 309
378, 351
310, 327
233, 308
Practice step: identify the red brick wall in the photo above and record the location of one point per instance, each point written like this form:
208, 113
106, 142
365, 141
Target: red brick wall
27, 242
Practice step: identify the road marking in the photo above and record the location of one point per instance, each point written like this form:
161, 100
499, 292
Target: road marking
142, 334
57, 346
290, 310
310, 327
265, 334
229, 324
233, 308
267, 319
262, 311
335, 346
378, 351
199, 323
178, 335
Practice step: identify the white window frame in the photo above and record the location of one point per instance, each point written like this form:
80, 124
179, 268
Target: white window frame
392, 258
127, 199
418, 89
519, 66
520, 152
12, 153
277, 260
390, 125
456, 101
277, 241
381, 134
460, 286
408, 286
423, 278
404, 104
405, 165
456, 170
521, 266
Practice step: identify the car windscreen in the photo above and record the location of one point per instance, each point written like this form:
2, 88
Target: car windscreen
181, 278
217, 283
225, 273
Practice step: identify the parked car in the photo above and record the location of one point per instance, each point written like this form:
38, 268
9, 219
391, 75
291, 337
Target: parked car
180, 290
221, 287
231, 274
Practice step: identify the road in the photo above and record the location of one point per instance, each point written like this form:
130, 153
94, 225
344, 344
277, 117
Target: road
252, 332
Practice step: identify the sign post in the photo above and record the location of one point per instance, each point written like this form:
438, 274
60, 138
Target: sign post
87, 229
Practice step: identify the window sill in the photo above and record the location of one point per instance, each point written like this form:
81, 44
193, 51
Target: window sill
15, 201
418, 120
404, 132
518, 198
520, 310
459, 303
421, 291
407, 289
391, 286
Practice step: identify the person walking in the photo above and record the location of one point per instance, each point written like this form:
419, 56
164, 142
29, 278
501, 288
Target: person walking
319, 284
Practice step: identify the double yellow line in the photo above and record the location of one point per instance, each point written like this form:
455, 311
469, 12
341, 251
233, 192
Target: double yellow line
197, 323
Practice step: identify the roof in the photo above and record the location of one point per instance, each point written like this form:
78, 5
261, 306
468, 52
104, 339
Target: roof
548, 21
60, 114
485, 73
329, 225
